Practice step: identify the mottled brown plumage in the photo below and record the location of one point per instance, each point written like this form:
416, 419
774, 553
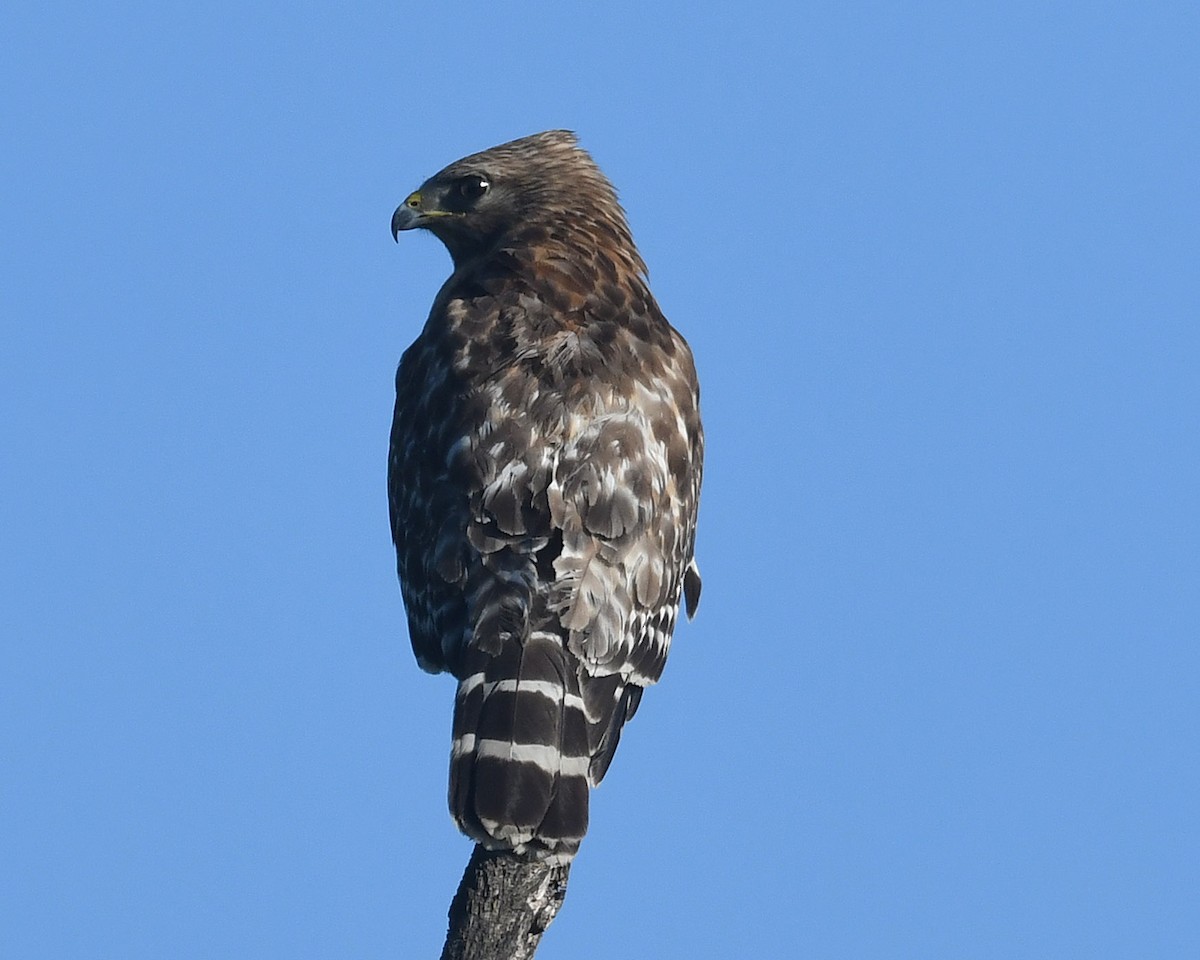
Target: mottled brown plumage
543, 480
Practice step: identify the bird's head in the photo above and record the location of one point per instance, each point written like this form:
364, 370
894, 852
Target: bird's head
487, 198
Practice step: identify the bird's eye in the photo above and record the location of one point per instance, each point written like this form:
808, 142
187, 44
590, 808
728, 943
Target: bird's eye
473, 187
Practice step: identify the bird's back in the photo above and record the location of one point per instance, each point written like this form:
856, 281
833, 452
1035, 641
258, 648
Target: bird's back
543, 480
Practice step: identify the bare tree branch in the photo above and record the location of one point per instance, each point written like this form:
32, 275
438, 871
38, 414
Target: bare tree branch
503, 906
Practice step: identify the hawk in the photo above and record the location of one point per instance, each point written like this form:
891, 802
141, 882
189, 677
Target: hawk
543, 480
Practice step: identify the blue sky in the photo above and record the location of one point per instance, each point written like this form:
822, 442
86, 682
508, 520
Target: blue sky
938, 263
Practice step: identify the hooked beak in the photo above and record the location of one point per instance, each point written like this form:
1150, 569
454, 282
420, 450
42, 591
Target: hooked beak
407, 216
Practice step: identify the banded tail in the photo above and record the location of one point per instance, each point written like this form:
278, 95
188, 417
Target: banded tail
533, 732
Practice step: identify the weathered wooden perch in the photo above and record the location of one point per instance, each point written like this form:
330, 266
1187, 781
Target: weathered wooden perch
503, 906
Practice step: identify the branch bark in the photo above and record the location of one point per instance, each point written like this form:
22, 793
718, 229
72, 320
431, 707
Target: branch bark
503, 906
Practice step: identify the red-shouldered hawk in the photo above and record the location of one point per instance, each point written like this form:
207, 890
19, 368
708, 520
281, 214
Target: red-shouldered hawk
543, 481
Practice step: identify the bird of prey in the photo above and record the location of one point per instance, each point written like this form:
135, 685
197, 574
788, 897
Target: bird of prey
543, 481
